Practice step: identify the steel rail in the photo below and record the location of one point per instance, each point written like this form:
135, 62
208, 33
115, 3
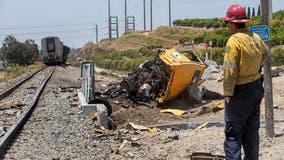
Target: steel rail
5, 140
10, 89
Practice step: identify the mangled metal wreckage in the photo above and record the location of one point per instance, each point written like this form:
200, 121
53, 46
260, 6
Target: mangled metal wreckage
170, 74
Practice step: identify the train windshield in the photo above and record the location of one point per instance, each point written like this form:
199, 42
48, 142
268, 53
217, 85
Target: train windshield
50, 45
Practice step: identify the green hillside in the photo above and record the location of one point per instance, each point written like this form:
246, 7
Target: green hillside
133, 48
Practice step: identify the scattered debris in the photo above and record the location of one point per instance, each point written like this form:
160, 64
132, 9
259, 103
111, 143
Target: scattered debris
152, 130
118, 151
100, 131
121, 136
93, 116
97, 126
139, 127
176, 112
187, 125
208, 156
204, 110
212, 107
218, 106
204, 125
116, 102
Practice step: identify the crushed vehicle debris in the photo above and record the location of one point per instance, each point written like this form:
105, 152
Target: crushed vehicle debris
170, 74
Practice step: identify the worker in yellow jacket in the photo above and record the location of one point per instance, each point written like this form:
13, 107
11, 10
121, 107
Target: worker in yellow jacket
244, 55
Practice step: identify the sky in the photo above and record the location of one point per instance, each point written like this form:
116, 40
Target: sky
74, 21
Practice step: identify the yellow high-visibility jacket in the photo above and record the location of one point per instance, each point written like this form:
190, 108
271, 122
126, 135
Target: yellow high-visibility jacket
245, 53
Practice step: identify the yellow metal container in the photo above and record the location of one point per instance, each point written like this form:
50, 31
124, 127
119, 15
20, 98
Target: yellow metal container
180, 71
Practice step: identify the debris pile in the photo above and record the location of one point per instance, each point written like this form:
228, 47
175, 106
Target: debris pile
212, 67
171, 74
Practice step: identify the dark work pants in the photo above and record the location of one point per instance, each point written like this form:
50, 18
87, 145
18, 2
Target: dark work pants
242, 123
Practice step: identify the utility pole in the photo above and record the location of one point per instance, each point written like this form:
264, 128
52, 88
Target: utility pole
270, 9
269, 117
144, 9
109, 22
170, 14
125, 13
151, 14
97, 34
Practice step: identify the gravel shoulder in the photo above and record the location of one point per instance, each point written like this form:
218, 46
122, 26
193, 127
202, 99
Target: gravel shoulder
57, 130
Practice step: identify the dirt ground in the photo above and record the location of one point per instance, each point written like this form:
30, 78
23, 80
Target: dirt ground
180, 144
176, 142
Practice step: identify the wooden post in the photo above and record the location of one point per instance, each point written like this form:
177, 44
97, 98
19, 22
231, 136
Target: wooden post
170, 14
125, 14
151, 15
109, 22
269, 117
97, 34
144, 12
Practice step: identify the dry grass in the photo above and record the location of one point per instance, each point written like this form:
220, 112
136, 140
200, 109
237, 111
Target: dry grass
276, 47
176, 32
16, 70
167, 37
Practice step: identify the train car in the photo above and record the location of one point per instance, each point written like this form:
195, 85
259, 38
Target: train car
53, 51
66, 51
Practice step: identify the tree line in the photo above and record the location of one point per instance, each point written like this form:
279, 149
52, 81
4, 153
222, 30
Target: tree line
212, 22
220, 35
14, 52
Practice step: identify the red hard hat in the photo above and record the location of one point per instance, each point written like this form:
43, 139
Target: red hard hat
236, 14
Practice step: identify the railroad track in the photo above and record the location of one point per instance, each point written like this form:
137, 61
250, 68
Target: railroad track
18, 101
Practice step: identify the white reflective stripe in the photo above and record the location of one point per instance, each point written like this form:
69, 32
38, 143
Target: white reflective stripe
229, 64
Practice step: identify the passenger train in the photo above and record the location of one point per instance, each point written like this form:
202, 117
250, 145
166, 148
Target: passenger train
53, 51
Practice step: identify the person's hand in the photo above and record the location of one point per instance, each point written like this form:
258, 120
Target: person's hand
227, 99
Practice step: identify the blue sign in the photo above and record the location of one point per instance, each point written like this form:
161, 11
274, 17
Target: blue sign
262, 31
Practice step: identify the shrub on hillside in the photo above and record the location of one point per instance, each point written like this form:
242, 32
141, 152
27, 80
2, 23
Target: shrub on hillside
148, 51
124, 60
201, 23
218, 55
277, 57
220, 36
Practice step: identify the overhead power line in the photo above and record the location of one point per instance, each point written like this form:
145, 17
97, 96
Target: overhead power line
45, 26
50, 32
